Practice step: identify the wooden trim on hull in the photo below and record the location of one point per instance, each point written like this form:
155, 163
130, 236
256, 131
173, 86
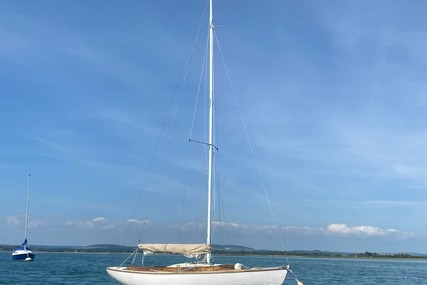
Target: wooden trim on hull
223, 268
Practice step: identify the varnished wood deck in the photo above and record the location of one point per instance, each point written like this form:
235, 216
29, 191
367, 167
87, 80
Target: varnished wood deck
216, 268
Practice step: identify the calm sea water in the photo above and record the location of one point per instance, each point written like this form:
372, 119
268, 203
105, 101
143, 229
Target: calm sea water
78, 268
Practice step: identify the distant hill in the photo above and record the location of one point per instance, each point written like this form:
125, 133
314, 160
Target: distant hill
109, 248
231, 248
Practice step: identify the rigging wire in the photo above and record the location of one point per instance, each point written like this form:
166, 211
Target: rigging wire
202, 78
194, 111
161, 168
176, 98
251, 148
222, 221
218, 209
199, 87
148, 171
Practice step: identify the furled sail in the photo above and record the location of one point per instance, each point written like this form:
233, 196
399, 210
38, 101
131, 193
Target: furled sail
176, 248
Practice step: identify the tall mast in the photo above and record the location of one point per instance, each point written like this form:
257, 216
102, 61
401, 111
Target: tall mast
26, 211
211, 100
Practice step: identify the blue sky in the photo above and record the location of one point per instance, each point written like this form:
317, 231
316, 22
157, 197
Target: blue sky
332, 94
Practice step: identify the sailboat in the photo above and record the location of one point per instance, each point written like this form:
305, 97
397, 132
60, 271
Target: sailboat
205, 272
24, 252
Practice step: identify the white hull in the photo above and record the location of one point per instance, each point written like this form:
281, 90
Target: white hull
23, 254
264, 276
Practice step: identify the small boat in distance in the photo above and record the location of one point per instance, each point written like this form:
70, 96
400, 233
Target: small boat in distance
24, 252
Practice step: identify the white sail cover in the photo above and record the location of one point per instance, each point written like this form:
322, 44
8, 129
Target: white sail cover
176, 248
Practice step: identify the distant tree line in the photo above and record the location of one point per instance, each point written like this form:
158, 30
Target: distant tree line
228, 250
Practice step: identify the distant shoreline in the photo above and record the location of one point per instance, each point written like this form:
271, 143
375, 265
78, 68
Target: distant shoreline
355, 256
232, 250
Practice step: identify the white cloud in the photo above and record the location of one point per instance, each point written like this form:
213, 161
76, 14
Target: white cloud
14, 220
296, 230
330, 230
99, 219
138, 222
90, 231
245, 227
345, 230
98, 223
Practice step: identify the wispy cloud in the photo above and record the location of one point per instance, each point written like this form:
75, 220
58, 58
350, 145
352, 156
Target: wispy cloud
246, 227
399, 203
14, 220
138, 222
82, 52
330, 230
93, 231
98, 223
19, 221
53, 145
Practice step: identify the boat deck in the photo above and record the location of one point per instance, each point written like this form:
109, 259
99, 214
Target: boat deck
222, 267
